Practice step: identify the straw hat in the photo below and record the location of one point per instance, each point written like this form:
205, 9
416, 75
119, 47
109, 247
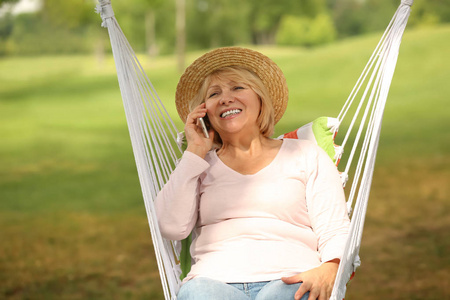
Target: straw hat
269, 73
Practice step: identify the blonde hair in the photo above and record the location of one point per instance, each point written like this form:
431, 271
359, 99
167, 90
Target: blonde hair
266, 118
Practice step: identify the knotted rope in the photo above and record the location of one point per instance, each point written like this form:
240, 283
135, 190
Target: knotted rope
105, 10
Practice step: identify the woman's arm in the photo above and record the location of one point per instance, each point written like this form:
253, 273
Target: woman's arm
329, 220
326, 205
177, 203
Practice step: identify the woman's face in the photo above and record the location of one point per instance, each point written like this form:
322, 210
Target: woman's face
232, 107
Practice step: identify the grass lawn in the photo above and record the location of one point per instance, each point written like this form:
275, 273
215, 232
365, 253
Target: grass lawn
72, 219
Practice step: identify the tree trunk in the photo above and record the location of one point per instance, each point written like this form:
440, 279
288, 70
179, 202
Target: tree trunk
150, 36
181, 32
100, 51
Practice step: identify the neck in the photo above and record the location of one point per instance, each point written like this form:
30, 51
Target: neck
250, 145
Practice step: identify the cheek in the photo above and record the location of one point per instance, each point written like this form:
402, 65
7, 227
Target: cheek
257, 105
210, 107
210, 112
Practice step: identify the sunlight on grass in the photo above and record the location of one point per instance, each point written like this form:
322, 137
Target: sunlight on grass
42, 261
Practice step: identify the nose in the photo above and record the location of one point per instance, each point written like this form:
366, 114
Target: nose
226, 98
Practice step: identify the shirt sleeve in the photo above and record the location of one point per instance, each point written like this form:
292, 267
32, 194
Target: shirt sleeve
177, 203
326, 206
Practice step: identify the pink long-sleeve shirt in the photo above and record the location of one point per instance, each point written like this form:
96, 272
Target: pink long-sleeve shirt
287, 218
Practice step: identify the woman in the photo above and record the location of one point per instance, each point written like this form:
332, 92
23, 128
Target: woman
269, 215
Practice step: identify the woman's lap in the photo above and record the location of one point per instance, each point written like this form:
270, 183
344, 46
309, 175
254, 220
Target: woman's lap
201, 288
277, 289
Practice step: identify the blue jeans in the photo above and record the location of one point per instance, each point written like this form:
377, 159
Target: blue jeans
202, 288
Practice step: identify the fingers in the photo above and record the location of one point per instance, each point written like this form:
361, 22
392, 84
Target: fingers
304, 287
198, 112
316, 291
327, 292
292, 279
192, 126
302, 290
324, 294
195, 138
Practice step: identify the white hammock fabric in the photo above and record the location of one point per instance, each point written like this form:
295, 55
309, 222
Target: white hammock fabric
154, 139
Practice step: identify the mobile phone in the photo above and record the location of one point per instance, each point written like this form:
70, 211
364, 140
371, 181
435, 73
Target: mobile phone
204, 124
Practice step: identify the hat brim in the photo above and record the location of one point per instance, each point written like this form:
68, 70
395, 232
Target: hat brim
269, 73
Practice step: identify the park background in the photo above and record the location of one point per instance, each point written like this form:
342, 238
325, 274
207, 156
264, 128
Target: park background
72, 219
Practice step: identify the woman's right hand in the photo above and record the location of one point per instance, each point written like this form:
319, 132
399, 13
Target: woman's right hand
197, 143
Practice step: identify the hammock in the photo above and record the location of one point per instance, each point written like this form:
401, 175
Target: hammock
157, 143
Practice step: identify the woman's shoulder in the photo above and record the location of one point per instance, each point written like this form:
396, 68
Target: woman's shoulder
305, 150
300, 145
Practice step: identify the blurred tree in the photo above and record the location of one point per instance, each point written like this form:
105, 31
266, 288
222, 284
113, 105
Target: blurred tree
6, 25
214, 23
266, 16
148, 9
353, 17
347, 16
70, 14
321, 30
59, 27
293, 30
181, 32
148, 24
7, 1
305, 31
429, 12
217, 23
6, 28
32, 35
377, 14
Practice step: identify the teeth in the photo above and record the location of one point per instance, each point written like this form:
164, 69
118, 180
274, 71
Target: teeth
230, 112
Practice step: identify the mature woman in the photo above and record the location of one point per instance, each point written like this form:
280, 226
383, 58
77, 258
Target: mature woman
268, 215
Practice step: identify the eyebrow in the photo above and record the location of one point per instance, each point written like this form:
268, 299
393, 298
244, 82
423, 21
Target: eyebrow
213, 86
231, 82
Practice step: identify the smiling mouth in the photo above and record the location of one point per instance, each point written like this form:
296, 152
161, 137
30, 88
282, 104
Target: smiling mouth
230, 113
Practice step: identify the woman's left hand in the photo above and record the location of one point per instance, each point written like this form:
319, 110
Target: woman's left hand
318, 281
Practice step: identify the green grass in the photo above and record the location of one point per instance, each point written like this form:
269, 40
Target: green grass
72, 219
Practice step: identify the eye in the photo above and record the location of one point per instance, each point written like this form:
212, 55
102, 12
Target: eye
238, 87
212, 95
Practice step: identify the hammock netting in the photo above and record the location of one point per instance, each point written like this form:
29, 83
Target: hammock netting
157, 144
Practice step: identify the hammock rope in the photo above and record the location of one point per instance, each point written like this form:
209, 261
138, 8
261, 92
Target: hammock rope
386, 58
157, 144
151, 132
